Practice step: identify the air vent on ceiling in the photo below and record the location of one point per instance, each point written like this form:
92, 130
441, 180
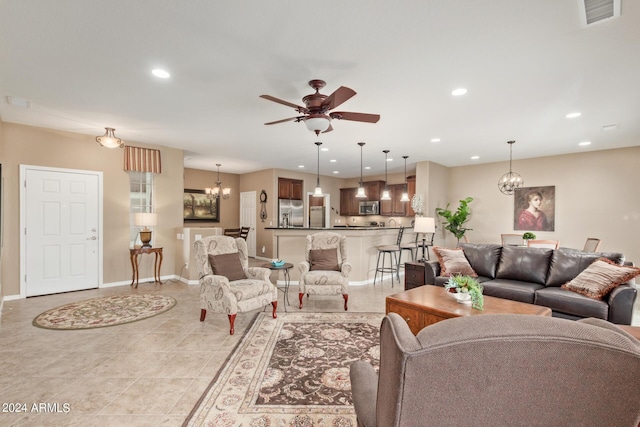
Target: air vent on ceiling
593, 11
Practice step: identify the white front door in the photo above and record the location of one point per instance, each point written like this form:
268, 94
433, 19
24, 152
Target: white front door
60, 230
248, 218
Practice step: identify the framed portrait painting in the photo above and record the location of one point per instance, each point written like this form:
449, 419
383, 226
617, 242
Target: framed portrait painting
198, 207
534, 208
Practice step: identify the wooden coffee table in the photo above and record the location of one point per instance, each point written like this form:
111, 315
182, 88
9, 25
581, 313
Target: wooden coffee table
429, 304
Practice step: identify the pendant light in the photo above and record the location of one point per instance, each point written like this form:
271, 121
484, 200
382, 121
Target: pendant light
405, 193
318, 190
510, 180
385, 192
361, 194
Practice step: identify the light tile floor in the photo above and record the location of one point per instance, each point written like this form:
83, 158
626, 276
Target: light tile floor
146, 373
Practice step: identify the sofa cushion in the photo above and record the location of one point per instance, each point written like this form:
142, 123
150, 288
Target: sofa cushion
600, 278
514, 290
324, 259
227, 265
452, 262
524, 264
567, 263
483, 258
568, 302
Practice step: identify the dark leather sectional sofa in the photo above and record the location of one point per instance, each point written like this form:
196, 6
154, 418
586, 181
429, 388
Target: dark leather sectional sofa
534, 275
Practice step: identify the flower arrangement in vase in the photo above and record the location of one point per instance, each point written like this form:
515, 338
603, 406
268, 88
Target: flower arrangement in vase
467, 288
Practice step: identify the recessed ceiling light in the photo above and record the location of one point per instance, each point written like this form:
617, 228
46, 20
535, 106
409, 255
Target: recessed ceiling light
333, 160
573, 115
435, 140
459, 91
336, 172
584, 143
324, 149
301, 166
367, 167
160, 73
475, 157
389, 160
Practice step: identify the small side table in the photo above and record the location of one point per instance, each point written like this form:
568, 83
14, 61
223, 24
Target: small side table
135, 253
414, 274
287, 281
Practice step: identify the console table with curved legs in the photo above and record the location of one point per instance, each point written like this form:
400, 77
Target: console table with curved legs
135, 253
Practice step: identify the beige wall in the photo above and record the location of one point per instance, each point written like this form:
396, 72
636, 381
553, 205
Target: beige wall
595, 197
46, 147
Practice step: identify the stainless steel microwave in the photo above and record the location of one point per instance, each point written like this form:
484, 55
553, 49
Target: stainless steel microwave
369, 208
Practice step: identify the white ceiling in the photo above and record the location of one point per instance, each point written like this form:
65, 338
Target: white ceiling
86, 65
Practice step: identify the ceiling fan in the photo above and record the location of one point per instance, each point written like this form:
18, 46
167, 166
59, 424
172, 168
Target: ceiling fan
316, 114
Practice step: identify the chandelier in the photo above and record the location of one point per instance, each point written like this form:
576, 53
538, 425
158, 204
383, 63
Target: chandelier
217, 191
510, 180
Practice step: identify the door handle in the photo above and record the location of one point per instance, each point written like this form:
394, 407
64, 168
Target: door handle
92, 238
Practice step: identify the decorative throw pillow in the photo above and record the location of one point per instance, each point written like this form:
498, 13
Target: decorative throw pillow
600, 278
324, 259
453, 262
227, 265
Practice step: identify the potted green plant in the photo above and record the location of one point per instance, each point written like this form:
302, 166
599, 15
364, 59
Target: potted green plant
454, 221
528, 236
466, 289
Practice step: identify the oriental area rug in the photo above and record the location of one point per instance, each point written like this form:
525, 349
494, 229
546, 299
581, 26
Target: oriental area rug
106, 311
291, 371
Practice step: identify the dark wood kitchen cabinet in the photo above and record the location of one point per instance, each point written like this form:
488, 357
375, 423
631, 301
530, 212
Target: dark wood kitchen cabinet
289, 189
349, 204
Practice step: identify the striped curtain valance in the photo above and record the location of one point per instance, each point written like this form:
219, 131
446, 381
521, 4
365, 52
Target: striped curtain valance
142, 159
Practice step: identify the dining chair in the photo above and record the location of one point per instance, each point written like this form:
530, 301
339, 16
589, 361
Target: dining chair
244, 232
232, 232
512, 239
591, 245
550, 244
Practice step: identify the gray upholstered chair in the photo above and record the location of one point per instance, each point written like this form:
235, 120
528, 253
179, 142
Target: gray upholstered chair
500, 370
245, 289
325, 270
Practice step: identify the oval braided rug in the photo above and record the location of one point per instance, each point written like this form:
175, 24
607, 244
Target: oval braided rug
105, 311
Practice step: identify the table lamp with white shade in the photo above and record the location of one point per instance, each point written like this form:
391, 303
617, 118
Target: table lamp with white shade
423, 224
145, 219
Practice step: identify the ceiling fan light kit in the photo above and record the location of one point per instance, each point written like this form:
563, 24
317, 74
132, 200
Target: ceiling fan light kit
316, 114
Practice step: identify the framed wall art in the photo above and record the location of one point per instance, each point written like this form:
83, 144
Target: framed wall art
198, 207
534, 208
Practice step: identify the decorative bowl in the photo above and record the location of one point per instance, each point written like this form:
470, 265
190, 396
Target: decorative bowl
461, 297
277, 262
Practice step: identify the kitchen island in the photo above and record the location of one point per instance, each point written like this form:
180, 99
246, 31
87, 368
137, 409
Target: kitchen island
361, 247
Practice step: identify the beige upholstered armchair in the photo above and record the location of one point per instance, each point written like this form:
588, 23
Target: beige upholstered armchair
227, 283
500, 370
325, 270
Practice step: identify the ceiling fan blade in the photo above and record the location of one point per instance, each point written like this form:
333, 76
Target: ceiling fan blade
290, 119
298, 108
341, 95
357, 117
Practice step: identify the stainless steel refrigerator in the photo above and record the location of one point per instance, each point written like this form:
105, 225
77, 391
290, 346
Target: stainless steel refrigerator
316, 216
290, 213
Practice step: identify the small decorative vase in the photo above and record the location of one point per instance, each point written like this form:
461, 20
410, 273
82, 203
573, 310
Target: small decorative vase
462, 298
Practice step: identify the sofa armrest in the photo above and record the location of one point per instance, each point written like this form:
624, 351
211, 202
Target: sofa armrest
345, 269
432, 270
364, 391
621, 301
